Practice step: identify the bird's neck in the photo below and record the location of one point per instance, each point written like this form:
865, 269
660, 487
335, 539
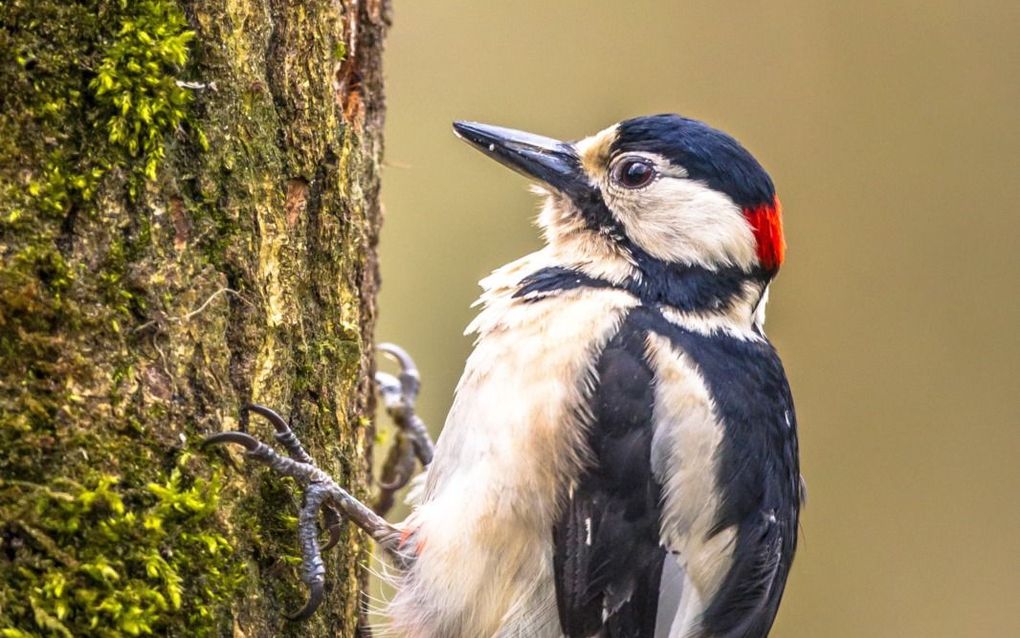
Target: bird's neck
698, 289
726, 295
576, 254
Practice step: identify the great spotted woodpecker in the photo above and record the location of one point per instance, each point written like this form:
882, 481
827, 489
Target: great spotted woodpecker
621, 456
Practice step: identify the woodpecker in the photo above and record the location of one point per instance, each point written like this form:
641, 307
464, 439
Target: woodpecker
620, 458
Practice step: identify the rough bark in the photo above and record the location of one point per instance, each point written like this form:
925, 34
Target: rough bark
188, 221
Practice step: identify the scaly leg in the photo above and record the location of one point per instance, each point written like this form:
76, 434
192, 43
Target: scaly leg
322, 493
286, 437
412, 442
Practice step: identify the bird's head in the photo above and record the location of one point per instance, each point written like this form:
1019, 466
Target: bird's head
656, 191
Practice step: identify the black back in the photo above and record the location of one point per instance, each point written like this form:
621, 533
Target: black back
759, 472
607, 554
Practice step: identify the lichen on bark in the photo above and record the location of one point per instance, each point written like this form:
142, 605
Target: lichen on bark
188, 221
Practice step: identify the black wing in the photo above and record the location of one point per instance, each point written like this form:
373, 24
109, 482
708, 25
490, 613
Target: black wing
759, 473
608, 559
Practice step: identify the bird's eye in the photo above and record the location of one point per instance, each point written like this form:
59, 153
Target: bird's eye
634, 172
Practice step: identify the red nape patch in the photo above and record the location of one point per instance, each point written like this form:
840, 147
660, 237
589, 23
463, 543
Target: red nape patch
767, 222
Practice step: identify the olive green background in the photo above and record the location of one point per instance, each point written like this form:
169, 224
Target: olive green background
891, 131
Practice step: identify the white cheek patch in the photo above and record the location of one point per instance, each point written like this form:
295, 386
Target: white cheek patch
681, 220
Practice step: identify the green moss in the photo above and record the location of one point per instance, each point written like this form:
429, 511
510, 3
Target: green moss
118, 219
106, 559
90, 103
92, 99
135, 86
94, 90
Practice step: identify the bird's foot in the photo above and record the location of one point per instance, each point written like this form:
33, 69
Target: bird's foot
321, 493
412, 443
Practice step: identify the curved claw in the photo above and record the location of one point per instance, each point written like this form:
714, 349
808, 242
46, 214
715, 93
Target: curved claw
270, 415
399, 394
399, 355
249, 442
410, 381
333, 525
284, 435
399, 464
315, 594
398, 482
334, 538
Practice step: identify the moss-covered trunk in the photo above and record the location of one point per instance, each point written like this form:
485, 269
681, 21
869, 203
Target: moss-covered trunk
188, 220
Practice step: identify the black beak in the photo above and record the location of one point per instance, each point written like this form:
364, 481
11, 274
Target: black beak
550, 161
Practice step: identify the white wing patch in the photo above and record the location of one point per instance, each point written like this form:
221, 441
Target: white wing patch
685, 456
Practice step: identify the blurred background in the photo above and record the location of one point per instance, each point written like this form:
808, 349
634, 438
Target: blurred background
892, 130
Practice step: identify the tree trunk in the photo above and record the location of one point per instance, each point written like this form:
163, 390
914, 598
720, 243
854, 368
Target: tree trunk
188, 221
